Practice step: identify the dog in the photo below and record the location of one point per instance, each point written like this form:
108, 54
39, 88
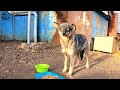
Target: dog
73, 45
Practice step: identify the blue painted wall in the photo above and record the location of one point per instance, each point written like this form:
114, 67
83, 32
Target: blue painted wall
6, 26
20, 27
15, 27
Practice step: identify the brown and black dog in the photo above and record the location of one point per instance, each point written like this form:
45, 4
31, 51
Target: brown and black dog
72, 45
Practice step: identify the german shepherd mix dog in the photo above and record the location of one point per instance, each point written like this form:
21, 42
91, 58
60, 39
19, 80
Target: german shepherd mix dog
73, 45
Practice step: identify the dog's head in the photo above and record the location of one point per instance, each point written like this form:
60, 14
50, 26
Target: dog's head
66, 29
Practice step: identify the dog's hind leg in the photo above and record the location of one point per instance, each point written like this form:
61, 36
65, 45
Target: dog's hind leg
87, 64
65, 63
86, 57
81, 54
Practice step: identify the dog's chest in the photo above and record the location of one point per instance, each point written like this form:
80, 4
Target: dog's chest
67, 42
69, 49
65, 39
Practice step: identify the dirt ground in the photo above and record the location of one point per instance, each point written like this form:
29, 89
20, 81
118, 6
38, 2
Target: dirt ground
17, 63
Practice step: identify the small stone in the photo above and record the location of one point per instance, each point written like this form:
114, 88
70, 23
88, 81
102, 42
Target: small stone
6, 71
22, 61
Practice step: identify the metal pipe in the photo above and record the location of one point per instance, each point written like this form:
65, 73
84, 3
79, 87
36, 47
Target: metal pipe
29, 24
35, 27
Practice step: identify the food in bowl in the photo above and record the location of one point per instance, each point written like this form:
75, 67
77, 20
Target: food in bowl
49, 77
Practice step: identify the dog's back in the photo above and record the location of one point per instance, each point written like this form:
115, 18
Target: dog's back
80, 42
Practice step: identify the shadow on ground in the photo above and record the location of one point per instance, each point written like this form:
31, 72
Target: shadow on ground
92, 62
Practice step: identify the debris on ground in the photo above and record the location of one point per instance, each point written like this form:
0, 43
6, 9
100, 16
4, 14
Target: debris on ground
17, 62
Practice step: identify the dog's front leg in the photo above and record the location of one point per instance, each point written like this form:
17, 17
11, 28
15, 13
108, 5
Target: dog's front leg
72, 59
65, 63
64, 50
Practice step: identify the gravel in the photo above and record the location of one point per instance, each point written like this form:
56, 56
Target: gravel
17, 63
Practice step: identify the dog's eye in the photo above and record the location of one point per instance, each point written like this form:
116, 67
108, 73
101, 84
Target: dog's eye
70, 28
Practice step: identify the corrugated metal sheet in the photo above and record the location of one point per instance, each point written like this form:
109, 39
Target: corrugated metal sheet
20, 30
6, 26
118, 22
52, 28
20, 27
15, 27
99, 25
113, 25
46, 25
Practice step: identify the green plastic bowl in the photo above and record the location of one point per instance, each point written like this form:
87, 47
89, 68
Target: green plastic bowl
42, 68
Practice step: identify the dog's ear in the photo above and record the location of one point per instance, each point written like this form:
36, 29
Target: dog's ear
57, 25
73, 26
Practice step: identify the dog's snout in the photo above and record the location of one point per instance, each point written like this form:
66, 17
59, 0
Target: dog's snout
63, 33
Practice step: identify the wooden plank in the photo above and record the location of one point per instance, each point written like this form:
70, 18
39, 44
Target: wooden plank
104, 44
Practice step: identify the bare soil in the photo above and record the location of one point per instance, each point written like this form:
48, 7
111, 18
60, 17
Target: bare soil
19, 63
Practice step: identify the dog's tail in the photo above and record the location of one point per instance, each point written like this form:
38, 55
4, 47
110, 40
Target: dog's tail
81, 54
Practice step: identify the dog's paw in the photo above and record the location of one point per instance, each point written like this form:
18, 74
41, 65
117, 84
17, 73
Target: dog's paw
64, 70
70, 76
70, 73
87, 66
64, 50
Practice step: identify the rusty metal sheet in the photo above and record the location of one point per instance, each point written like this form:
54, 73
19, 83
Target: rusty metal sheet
113, 25
83, 22
99, 25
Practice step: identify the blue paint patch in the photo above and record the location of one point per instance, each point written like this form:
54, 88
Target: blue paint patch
40, 75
